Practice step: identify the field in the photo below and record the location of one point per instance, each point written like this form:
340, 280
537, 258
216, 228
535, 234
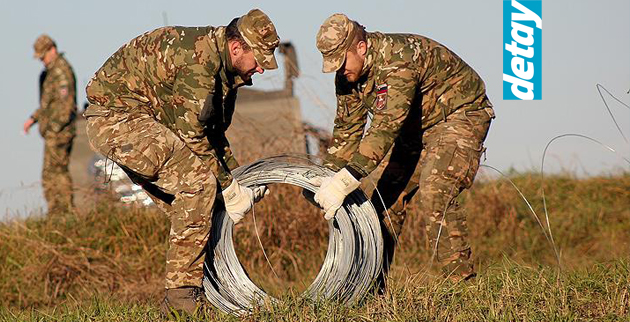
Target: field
107, 263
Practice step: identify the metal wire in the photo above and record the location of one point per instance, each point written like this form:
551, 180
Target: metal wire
542, 177
355, 245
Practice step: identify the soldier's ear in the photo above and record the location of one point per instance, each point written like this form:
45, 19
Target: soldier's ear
362, 48
235, 48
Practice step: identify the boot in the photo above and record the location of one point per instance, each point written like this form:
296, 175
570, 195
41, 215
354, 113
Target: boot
187, 299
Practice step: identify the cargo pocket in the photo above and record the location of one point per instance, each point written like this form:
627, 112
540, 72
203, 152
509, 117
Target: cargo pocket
183, 171
136, 147
98, 132
467, 160
445, 165
455, 164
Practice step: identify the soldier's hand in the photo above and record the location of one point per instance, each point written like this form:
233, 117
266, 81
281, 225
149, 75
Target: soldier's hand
238, 200
333, 190
260, 192
27, 125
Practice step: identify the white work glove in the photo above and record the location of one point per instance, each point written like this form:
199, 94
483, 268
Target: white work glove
260, 192
238, 200
333, 190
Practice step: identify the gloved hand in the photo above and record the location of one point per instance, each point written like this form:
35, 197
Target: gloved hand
333, 190
260, 192
238, 200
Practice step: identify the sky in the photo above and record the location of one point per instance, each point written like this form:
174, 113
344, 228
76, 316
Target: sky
584, 42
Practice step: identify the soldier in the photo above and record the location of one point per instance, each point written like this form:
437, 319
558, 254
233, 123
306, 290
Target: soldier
159, 108
55, 116
429, 110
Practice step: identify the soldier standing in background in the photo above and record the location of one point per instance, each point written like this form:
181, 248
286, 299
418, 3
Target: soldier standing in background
55, 116
159, 108
429, 108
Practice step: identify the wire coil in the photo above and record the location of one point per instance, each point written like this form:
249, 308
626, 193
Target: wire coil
355, 245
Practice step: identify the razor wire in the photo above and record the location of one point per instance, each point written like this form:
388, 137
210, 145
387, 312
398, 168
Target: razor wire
355, 245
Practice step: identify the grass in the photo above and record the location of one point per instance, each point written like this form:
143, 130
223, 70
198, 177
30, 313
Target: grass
505, 292
107, 263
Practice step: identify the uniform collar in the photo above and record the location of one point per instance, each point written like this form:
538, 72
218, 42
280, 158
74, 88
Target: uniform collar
55, 61
367, 72
228, 74
369, 55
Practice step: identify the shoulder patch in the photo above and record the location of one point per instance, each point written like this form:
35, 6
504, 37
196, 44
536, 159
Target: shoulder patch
381, 96
63, 92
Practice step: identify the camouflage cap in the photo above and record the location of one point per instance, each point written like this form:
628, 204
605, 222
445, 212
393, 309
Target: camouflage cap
333, 40
260, 34
42, 44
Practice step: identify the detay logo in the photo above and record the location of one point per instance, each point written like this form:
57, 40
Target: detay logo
522, 49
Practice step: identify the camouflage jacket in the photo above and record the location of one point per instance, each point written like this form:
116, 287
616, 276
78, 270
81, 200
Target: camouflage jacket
57, 102
402, 72
183, 77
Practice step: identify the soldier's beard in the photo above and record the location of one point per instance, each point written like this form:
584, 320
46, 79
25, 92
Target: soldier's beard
351, 77
246, 75
352, 67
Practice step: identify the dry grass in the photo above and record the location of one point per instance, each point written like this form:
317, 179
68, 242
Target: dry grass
108, 248
108, 256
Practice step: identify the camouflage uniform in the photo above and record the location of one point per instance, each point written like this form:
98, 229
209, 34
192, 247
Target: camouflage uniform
56, 117
430, 112
159, 108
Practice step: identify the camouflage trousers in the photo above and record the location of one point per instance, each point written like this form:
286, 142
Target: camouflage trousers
56, 180
176, 179
437, 164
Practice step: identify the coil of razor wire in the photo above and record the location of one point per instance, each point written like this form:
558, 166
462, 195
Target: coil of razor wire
353, 260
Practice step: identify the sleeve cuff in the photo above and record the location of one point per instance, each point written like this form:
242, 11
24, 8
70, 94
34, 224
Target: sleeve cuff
223, 176
225, 179
334, 163
357, 173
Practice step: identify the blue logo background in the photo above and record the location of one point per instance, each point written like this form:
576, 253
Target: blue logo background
536, 7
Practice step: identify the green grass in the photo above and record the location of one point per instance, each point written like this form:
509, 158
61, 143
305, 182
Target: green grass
506, 292
107, 263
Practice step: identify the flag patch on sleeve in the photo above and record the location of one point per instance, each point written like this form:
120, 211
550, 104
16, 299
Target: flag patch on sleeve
381, 96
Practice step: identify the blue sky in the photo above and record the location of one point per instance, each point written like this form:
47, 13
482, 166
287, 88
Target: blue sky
584, 43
